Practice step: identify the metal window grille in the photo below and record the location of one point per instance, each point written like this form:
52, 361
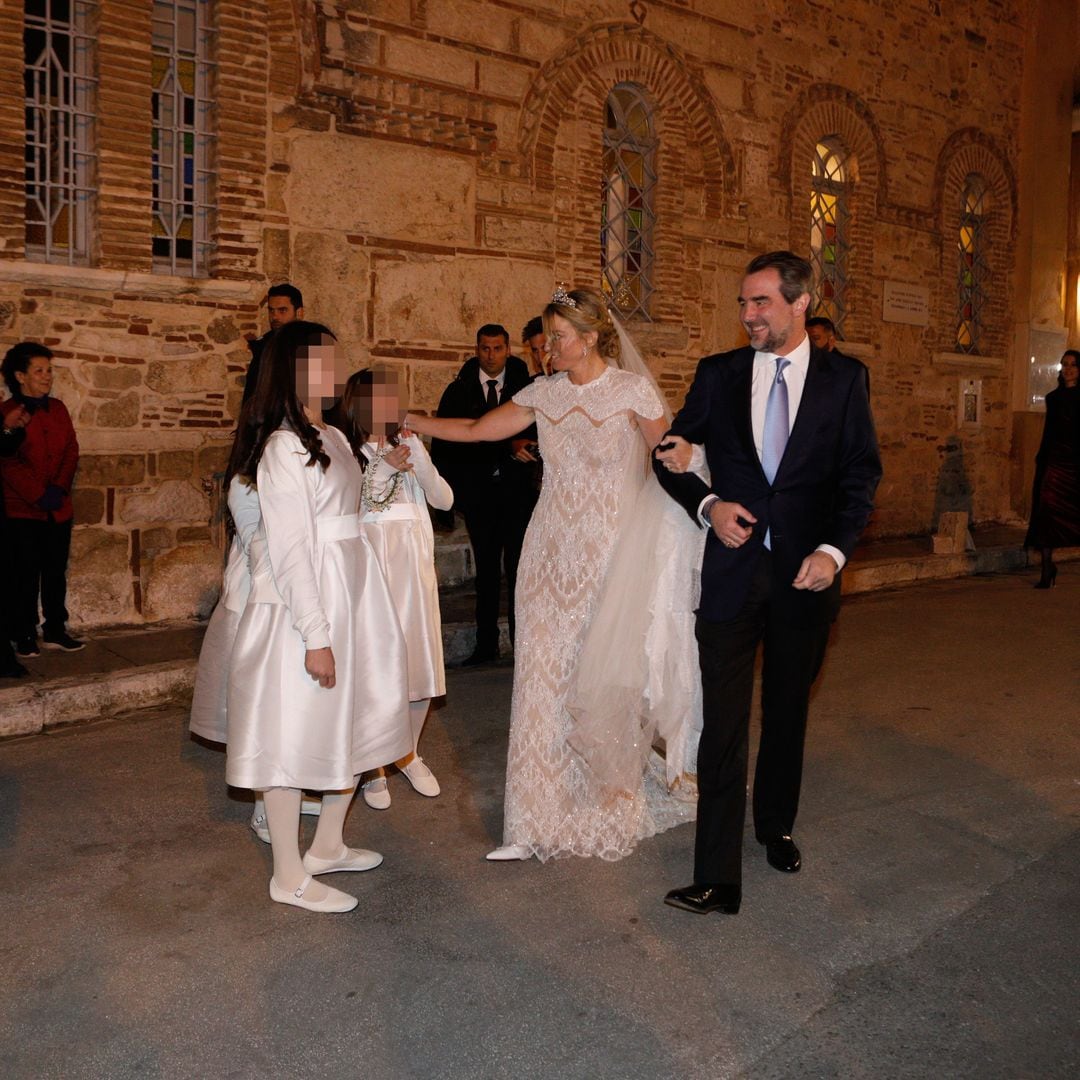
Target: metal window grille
182, 139
627, 216
829, 227
972, 271
58, 49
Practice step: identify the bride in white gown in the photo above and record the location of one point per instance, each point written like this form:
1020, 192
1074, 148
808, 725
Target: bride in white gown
584, 784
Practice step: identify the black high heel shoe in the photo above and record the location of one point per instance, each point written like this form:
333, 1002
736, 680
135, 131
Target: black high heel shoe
1048, 580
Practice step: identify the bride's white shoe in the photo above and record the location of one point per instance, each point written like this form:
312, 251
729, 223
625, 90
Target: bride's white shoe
509, 853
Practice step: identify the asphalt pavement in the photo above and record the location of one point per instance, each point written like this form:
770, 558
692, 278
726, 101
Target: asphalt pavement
931, 933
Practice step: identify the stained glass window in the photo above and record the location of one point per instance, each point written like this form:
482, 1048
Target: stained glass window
181, 139
972, 271
59, 82
829, 228
626, 201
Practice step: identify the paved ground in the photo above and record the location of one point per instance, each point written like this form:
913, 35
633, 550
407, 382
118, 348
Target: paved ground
932, 933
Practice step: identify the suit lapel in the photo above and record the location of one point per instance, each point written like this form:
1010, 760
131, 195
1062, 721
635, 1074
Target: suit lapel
742, 392
812, 406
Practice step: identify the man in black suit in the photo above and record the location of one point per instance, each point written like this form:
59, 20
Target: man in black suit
494, 491
284, 304
794, 464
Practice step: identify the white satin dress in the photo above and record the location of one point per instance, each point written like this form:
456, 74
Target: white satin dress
315, 583
208, 715
403, 541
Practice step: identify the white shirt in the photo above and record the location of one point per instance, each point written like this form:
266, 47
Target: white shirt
764, 374
485, 378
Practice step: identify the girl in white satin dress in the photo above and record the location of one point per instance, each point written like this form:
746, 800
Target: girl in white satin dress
316, 695
212, 676
400, 483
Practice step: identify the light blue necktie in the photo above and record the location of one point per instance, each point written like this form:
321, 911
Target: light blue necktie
775, 435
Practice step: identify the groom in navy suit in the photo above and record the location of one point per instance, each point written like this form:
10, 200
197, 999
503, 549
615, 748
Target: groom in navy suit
793, 458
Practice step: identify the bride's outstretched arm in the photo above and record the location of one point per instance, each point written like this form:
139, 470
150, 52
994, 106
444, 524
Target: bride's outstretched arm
501, 423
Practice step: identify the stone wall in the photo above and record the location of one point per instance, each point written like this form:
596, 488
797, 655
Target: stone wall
420, 168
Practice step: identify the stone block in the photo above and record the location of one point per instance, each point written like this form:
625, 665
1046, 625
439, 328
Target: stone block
175, 464
379, 188
21, 711
99, 577
428, 383
428, 60
173, 501
518, 234
121, 413
276, 262
154, 541
214, 458
205, 372
952, 536
222, 330
110, 470
187, 534
182, 583
89, 505
446, 300
114, 376
335, 275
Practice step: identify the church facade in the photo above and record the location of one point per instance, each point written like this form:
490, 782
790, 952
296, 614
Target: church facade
421, 167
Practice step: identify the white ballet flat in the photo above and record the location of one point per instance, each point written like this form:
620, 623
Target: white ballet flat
421, 777
509, 853
260, 828
349, 859
377, 794
311, 807
335, 901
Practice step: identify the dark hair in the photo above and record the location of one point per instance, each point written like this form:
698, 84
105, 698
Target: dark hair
820, 320
17, 359
274, 402
1075, 354
345, 413
796, 274
492, 330
533, 327
291, 292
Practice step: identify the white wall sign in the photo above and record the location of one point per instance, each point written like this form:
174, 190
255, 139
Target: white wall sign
969, 407
903, 303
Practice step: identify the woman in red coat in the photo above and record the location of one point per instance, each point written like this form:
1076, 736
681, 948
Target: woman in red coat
36, 483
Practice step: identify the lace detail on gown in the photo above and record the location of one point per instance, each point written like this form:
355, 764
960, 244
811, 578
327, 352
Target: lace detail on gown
595, 463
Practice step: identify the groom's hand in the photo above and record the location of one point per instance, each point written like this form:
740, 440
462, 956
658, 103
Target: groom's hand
816, 573
731, 522
674, 452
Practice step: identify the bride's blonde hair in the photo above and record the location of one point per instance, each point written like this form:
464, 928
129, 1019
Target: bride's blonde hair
586, 311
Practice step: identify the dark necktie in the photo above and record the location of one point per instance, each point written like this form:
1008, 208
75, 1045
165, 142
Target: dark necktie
492, 393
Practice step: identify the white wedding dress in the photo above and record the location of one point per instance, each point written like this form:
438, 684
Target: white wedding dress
559, 801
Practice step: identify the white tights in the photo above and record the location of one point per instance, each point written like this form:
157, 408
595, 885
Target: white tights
283, 821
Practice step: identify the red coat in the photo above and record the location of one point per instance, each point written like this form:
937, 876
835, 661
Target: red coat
48, 455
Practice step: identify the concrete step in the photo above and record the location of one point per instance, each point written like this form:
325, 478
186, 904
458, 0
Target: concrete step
127, 668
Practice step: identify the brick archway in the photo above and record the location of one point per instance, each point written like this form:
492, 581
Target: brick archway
968, 151
293, 55
589, 65
821, 111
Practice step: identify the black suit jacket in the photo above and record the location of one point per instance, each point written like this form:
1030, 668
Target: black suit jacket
823, 490
469, 468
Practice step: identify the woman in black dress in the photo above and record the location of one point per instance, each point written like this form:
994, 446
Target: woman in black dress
1055, 504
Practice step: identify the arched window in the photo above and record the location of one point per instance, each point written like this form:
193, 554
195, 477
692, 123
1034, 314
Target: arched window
182, 105
626, 204
58, 75
829, 223
972, 270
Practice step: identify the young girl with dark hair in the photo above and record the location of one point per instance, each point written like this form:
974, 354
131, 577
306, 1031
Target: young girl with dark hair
315, 697
400, 482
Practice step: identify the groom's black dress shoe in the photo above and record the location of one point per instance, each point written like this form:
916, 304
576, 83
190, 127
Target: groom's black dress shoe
782, 854
481, 656
701, 899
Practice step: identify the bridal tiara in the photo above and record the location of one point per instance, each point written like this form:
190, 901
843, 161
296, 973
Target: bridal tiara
562, 297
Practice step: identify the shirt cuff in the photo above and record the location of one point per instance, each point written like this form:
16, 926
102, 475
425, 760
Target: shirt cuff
704, 507
835, 554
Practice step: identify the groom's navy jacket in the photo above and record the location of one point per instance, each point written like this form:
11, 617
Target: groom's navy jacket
824, 488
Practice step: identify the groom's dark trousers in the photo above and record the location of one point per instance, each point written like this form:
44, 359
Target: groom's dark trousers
822, 494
